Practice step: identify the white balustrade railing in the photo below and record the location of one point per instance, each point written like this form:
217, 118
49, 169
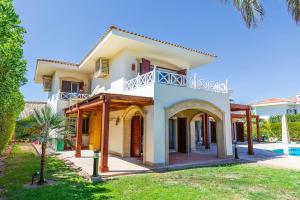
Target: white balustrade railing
68, 95
180, 80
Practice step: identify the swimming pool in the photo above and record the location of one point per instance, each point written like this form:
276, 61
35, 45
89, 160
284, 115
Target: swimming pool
291, 151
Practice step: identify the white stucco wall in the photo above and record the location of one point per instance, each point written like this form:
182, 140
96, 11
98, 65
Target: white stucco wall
166, 96
53, 99
270, 110
115, 143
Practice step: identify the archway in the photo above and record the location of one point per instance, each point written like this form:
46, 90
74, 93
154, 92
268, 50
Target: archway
134, 132
179, 118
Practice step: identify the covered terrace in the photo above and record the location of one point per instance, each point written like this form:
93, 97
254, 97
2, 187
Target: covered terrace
105, 103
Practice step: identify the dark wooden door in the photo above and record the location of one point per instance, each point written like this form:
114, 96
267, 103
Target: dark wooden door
213, 132
240, 131
136, 136
181, 135
145, 66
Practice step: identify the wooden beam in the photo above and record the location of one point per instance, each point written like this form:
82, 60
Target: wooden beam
249, 132
240, 116
239, 107
104, 134
78, 134
257, 130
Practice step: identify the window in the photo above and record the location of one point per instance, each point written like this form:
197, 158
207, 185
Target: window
85, 126
70, 86
291, 111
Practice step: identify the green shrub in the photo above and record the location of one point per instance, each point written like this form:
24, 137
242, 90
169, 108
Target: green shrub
276, 130
6, 129
293, 118
12, 70
294, 131
275, 118
23, 131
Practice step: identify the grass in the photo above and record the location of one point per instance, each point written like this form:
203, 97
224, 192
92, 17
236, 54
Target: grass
222, 182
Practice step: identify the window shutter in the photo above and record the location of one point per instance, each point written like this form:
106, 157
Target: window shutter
145, 66
182, 72
81, 84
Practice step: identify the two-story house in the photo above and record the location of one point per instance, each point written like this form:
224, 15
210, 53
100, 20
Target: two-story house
134, 96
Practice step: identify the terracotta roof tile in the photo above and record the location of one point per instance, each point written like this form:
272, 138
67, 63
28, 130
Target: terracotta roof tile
58, 61
163, 42
276, 100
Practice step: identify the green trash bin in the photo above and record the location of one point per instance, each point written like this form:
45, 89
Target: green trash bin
59, 145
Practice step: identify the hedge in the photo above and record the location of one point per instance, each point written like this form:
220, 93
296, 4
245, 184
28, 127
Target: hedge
294, 130
23, 131
6, 128
290, 118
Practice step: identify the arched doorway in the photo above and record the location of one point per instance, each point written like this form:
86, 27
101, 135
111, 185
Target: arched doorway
187, 121
134, 133
136, 137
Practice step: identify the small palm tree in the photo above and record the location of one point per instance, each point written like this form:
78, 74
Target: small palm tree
253, 10
46, 121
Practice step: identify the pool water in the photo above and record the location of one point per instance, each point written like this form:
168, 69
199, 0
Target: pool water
291, 151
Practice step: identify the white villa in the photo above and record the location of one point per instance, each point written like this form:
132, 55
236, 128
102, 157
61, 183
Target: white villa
277, 106
134, 96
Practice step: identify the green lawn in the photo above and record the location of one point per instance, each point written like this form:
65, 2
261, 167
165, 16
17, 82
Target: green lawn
222, 182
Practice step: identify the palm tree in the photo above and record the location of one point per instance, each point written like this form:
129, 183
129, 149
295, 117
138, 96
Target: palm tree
46, 121
253, 11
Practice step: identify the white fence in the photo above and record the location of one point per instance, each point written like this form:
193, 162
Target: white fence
69, 96
180, 80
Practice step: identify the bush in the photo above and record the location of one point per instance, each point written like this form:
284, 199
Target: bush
275, 119
23, 131
12, 70
294, 130
8, 126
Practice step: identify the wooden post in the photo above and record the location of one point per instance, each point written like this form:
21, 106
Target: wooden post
202, 130
206, 123
78, 134
257, 129
104, 134
249, 132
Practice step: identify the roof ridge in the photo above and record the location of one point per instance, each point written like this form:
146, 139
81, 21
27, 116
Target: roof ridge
161, 41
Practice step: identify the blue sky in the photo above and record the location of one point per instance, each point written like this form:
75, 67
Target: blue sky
258, 63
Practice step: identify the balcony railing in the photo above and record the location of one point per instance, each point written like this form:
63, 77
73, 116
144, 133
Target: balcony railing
180, 80
72, 96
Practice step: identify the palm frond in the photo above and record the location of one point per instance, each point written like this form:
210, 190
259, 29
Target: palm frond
252, 11
294, 8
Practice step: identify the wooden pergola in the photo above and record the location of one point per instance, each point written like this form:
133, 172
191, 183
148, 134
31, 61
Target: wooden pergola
247, 109
105, 103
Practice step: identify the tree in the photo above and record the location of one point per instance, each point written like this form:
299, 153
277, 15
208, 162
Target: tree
47, 122
12, 70
253, 11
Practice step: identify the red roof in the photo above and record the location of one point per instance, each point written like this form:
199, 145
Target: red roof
277, 100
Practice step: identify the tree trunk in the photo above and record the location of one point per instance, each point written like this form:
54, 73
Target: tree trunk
43, 159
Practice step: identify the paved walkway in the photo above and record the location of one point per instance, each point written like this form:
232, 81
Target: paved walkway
116, 165
263, 155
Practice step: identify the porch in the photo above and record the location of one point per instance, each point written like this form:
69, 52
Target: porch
119, 166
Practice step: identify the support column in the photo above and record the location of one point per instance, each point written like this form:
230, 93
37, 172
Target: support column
249, 132
78, 134
257, 129
203, 130
104, 134
206, 138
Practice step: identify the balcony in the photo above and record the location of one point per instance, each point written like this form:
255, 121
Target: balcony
169, 78
72, 96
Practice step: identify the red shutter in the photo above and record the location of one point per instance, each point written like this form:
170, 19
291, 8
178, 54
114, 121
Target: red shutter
81, 84
182, 72
145, 66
